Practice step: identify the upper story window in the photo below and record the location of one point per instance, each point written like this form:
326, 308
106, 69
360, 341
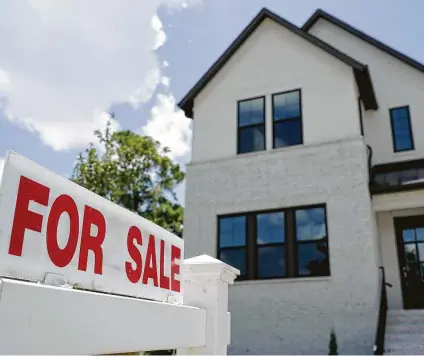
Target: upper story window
251, 125
287, 243
287, 119
401, 129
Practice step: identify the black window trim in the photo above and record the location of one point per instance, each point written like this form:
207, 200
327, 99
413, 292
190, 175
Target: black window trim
291, 244
239, 128
410, 129
290, 119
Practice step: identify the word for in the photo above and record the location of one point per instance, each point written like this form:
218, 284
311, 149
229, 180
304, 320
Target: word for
146, 266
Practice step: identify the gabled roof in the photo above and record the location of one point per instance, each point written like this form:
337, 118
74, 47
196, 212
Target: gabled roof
330, 18
361, 72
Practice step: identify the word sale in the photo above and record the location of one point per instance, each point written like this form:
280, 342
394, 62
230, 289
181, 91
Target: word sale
139, 267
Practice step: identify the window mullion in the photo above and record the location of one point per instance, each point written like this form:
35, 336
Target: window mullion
291, 253
251, 246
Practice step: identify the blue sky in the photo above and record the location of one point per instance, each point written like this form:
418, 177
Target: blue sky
63, 64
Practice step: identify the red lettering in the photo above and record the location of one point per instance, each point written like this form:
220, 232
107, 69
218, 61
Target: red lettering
63, 204
90, 242
175, 268
24, 218
134, 236
164, 280
150, 268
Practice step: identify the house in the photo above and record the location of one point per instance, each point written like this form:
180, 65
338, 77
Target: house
307, 174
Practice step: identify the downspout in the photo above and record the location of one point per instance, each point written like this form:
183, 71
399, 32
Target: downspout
370, 171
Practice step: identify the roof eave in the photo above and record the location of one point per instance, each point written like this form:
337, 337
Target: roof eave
186, 104
366, 88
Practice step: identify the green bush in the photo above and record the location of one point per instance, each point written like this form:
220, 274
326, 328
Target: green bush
332, 346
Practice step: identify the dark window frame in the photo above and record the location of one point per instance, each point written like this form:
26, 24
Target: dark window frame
290, 243
274, 122
410, 129
240, 128
256, 247
310, 241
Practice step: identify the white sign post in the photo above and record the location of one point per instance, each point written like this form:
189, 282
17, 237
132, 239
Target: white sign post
50, 225
59, 234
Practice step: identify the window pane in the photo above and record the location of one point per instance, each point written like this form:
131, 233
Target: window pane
286, 105
313, 259
419, 233
411, 252
408, 235
251, 139
251, 112
271, 261
270, 228
288, 133
401, 129
421, 251
310, 224
232, 231
235, 258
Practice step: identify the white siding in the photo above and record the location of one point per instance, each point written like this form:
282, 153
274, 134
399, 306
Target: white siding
273, 60
395, 84
295, 316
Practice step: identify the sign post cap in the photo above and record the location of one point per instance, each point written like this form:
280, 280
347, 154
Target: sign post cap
208, 266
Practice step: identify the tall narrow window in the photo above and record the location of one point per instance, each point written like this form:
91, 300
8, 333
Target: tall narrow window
311, 241
287, 119
232, 242
270, 240
401, 129
251, 125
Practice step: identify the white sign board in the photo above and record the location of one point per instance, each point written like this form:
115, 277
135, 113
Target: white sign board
49, 224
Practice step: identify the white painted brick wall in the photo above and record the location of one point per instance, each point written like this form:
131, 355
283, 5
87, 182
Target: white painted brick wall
295, 316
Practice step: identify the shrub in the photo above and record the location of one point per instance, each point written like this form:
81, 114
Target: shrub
332, 346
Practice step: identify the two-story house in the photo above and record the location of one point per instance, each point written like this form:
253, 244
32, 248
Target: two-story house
307, 174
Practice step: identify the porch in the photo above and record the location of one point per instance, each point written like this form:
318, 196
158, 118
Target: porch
398, 202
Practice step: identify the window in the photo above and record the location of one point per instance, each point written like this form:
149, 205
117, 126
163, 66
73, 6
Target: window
311, 241
286, 243
232, 242
251, 125
287, 119
270, 238
401, 129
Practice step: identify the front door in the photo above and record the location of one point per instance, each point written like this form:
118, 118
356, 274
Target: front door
410, 246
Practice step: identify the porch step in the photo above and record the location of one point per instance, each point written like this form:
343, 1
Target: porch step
404, 332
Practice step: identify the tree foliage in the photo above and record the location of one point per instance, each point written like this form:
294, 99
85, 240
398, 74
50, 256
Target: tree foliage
134, 172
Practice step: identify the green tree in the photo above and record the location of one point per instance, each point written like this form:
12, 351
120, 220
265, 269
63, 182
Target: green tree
134, 172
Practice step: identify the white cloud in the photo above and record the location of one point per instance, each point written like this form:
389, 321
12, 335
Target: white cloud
1, 166
165, 81
169, 126
146, 91
67, 61
160, 34
4, 81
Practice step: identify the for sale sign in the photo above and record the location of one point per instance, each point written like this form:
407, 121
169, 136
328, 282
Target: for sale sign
49, 224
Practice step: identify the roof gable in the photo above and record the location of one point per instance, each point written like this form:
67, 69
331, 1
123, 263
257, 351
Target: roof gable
318, 14
360, 70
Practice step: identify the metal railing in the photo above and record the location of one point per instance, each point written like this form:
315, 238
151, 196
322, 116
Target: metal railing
382, 315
